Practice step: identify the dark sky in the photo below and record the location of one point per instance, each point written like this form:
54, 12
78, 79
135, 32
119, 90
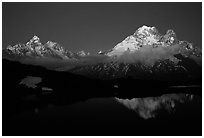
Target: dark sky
97, 26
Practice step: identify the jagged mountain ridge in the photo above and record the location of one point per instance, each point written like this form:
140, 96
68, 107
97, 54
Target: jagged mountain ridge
34, 48
130, 58
143, 54
161, 70
150, 36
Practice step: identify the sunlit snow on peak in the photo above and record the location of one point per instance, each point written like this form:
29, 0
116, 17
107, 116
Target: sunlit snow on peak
35, 40
143, 36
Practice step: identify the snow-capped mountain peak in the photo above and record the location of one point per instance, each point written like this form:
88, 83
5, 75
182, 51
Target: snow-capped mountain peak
144, 36
35, 40
147, 35
145, 30
34, 48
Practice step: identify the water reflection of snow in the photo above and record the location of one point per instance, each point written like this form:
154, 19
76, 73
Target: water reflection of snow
148, 107
31, 82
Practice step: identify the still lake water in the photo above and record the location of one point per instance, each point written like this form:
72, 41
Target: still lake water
106, 116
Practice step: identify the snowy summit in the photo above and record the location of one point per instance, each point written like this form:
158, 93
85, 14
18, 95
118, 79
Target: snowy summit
143, 36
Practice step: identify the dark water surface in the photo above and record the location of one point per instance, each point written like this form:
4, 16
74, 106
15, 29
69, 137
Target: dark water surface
104, 116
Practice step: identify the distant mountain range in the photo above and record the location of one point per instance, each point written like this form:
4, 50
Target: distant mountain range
35, 49
145, 54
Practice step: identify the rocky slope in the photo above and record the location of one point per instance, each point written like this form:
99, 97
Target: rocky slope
147, 53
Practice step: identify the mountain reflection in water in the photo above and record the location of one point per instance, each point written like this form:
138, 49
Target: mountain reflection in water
150, 106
